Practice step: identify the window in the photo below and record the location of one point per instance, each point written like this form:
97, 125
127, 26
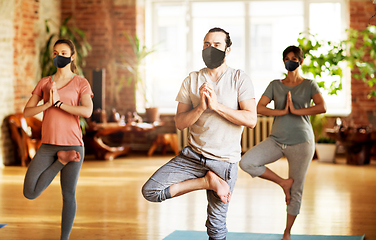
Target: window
260, 31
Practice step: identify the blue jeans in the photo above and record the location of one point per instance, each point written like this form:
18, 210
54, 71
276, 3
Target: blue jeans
190, 165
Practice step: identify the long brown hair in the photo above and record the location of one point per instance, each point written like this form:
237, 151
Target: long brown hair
73, 51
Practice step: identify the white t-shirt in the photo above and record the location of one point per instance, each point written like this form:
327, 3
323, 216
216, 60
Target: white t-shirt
212, 135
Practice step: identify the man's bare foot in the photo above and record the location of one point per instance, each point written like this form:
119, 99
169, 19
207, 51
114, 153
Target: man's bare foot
286, 236
218, 185
68, 156
286, 186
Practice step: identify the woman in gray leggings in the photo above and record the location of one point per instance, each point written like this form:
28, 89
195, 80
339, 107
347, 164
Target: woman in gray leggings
65, 96
291, 134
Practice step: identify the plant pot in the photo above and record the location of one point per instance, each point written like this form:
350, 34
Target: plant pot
358, 153
152, 114
326, 152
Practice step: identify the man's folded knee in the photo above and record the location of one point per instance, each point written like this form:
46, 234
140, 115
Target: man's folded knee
210, 238
29, 195
154, 195
148, 194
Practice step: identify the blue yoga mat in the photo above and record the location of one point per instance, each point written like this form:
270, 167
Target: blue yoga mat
199, 235
2, 225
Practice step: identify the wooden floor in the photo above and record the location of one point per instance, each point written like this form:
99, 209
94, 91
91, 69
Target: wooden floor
339, 199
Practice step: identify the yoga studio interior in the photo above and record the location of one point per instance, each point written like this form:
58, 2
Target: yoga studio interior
135, 55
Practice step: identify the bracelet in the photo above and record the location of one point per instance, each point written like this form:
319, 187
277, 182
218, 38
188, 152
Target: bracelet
55, 104
60, 104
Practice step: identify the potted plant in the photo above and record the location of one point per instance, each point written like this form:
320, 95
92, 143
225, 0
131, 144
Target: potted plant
326, 147
318, 63
322, 57
361, 46
135, 64
358, 52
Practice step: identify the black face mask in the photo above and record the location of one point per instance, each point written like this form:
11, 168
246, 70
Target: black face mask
291, 65
213, 57
60, 61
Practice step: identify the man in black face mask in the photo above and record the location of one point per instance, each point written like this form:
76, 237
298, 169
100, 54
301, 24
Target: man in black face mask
215, 103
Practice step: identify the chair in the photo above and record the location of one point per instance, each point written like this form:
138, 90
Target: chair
26, 136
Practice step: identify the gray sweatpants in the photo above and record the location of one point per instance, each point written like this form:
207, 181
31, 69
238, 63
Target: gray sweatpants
299, 156
190, 165
43, 169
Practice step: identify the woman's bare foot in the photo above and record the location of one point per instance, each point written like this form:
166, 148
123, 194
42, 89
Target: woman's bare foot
286, 186
218, 185
286, 236
68, 156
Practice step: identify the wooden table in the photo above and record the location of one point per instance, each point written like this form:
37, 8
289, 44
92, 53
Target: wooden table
97, 131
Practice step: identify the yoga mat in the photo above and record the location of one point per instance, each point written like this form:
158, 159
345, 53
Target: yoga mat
2, 225
199, 235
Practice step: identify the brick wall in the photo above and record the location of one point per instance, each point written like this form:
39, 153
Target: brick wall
25, 59
361, 13
22, 65
104, 23
6, 75
22, 35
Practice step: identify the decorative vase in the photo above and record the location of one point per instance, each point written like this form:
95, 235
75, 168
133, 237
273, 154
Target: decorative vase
152, 114
326, 152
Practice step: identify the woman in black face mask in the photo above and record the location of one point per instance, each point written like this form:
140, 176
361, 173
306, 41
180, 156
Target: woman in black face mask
66, 96
292, 136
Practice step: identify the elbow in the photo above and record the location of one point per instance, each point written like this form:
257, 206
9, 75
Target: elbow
178, 123
179, 126
25, 114
251, 124
251, 121
324, 108
87, 113
259, 109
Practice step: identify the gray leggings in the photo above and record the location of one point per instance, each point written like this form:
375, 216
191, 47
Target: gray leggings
299, 156
43, 169
191, 165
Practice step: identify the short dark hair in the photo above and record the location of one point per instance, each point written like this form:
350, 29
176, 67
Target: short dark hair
298, 52
227, 40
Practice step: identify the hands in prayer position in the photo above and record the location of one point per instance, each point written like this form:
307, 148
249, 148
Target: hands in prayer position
289, 104
208, 97
54, 95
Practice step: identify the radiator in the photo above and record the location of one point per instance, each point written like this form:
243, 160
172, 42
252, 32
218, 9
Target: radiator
250, 137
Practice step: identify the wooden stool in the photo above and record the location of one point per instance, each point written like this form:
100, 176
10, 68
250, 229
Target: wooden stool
165, 140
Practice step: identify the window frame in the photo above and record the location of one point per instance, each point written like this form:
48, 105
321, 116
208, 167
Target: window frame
150, 29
